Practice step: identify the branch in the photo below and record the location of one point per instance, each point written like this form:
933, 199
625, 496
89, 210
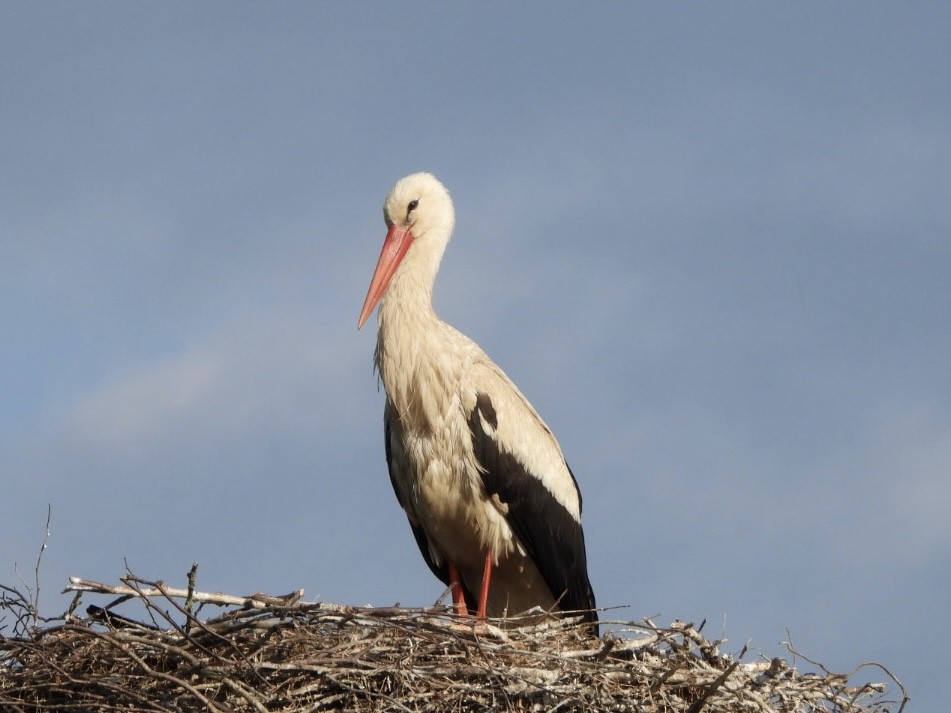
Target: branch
253, 601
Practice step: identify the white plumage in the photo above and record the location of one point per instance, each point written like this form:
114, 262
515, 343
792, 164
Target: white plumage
492, 503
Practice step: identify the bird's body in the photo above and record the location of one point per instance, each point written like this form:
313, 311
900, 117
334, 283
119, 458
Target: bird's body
480, 476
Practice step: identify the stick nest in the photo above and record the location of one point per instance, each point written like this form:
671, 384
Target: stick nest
280, 654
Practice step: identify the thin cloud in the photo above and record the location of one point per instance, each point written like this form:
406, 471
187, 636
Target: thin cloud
146, 404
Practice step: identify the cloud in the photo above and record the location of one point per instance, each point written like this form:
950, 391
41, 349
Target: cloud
147, 403
264, 373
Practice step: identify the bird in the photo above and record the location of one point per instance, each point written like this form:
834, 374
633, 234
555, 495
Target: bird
492, 503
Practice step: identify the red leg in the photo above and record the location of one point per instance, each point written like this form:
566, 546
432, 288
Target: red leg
458, 598
484, 592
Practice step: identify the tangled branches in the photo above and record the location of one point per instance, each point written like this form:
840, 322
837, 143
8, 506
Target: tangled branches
280, 654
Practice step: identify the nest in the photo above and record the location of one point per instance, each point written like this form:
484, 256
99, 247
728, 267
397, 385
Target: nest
267, 653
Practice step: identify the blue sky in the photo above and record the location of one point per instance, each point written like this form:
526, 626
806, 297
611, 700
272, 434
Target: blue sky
710, 242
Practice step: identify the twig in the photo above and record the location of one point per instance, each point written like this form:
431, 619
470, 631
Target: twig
190, 596
39, 557
867, 664
254, 601
712, 688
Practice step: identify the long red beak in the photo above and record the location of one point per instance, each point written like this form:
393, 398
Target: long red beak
397, 242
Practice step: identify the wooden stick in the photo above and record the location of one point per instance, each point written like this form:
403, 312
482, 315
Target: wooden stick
256, 601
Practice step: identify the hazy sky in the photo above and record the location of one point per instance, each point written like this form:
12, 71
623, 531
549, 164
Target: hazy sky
711, 242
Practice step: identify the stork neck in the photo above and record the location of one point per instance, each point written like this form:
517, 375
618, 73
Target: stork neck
407, 306
411, 353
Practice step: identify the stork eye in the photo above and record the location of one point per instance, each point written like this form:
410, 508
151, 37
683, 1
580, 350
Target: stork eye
412, 206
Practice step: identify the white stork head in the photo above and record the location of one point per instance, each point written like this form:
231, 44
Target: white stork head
419, 217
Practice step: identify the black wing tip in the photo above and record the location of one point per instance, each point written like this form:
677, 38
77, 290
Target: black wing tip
579, 601
589, 617
551, 534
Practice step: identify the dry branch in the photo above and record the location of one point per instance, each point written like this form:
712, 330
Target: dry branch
158, 589
278, 654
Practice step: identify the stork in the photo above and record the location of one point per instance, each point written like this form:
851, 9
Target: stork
483, 482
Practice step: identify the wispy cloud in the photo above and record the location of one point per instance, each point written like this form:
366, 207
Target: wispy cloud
147, 404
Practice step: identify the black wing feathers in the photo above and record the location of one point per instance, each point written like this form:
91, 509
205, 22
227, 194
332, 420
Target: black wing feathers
553, 538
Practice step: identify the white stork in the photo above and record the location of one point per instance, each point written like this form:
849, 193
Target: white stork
481, 477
